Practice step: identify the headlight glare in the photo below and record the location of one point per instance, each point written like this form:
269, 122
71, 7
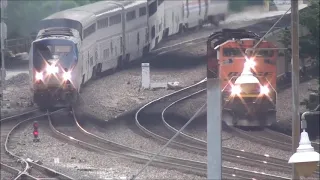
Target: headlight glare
39, 76
67, 76
235, 90
264, 90
52, 69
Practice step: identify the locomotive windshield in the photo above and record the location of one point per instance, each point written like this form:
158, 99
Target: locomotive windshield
46, 51
236, 52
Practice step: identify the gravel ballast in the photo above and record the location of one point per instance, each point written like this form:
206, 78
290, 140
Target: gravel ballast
129, 137
107, 98
16, 96
186, 110
198, 129
5, 175
79, 163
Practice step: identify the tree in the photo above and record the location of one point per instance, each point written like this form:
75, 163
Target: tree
309, 44
310, 19
239, 5
24, 15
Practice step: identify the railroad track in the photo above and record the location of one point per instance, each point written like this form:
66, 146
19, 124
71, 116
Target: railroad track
16, 166
70, 129
148, 119
270, 138
147, 112
265, 137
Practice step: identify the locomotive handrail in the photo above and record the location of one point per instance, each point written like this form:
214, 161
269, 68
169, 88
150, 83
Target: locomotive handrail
227, 34
233, 33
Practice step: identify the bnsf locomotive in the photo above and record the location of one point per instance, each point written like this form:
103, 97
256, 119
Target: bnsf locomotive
248, 77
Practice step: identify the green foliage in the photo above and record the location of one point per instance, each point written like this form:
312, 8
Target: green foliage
310, 19
239, 5
309, 45
24, 15
285, 39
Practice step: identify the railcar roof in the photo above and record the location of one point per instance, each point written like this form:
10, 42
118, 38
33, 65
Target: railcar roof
72, 14
86, 12
102, 6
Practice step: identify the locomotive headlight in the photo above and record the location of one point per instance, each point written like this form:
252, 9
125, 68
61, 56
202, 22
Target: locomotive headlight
235, 90
52, 69
67, 76
264, 90
250, 63
39, 76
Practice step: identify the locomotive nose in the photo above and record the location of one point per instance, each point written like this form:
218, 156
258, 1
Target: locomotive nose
54, 81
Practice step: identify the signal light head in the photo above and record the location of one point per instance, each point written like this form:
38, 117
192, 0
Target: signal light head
35, 133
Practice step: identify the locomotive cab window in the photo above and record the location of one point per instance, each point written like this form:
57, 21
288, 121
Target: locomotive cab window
47, 51
266, 53
232, 52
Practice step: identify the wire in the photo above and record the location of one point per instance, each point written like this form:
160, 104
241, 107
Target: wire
255, 46
163, 147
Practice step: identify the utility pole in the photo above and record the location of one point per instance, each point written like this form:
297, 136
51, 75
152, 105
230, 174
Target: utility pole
3, 32
214, 165
214, 153
295, 80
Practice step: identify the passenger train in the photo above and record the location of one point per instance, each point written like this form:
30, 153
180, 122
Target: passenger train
248, 77
75, 45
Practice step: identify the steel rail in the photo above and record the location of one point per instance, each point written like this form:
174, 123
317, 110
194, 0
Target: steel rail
188, 166
230, 154
289, 138
182, 145
9, 169
29, 164
132, 150
27, 113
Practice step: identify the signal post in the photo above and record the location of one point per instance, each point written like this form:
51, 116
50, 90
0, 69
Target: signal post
36, 131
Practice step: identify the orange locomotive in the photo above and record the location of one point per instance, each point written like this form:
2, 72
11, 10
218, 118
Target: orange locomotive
248, 78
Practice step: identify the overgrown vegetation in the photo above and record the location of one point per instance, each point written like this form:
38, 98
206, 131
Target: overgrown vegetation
309, 44
239, 5
24, 15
